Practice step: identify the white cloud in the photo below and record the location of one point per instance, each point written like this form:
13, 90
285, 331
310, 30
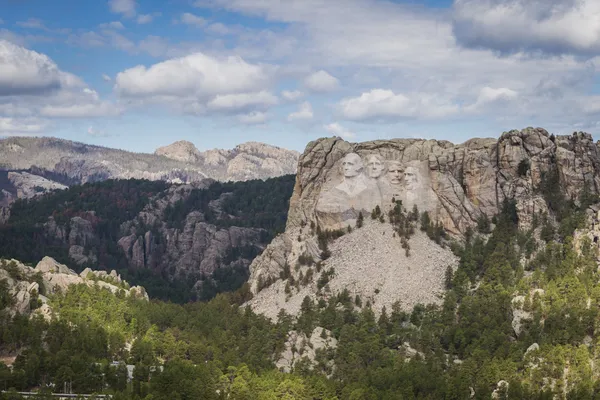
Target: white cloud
11, 126
156, 46
386, 105
191, 19
144, 19
90, 110
305, 112
253, 118
24, 71
34, 87
337, 130
489, 95
106, 78
125, 7
242, 101
119, 41
321, 81
112, 25
14, 110
549, 26
292, 95
218, 28
96, 132
196, 75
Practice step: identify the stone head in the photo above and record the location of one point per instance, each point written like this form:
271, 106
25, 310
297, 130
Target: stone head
375, 166
411, 178
352, 165
395, 172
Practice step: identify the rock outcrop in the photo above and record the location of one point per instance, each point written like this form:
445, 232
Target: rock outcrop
30, 286
28, 185
456, 184
300, 347
197, 247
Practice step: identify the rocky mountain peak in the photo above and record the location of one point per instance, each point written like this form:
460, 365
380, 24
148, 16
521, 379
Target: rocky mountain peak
181, 150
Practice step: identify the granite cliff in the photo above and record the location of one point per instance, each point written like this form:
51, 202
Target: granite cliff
457, 185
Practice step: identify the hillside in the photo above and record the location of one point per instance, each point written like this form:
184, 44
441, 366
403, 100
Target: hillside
179, 241
490, 290
65, 162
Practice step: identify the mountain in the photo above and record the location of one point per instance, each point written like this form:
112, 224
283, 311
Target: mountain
179, 241
427, 193
368, 298
72, 162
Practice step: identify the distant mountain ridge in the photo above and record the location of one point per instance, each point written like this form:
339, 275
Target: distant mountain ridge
178, 162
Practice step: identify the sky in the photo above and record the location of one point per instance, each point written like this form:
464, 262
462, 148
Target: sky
141, 74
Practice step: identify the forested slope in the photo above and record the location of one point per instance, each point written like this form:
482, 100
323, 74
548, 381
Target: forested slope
143, 229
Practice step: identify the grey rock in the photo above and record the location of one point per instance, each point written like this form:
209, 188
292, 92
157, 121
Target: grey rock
456, 184
180, 162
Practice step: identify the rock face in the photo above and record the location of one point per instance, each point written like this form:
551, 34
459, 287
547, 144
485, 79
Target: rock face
455, 184
246, 161
197, 247
28, 185
25, 287
181, 161
181, 151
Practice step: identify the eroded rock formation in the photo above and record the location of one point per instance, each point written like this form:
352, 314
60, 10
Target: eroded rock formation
455, 184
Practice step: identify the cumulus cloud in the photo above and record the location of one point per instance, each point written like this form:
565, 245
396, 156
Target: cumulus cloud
218, 28
253, 118
90, 110
321, 81
197, 75
191, 19
547, 26
35, 88
489, 95
125, 7
106, 78
91, 131
242, 101
305, 112
145, 18
384, 104
24, 71
292, 95
337, 130
11, 126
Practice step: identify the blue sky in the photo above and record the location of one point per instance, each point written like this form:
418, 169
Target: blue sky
142, 74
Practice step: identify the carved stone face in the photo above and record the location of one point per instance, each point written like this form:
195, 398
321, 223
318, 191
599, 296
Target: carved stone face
351, 165
395, 172
411, 179
375, 166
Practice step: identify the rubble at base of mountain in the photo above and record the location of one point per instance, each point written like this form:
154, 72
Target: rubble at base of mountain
24, 283
370, 263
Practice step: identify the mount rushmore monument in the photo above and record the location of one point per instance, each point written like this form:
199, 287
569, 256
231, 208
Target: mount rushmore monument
365, 183
456, 183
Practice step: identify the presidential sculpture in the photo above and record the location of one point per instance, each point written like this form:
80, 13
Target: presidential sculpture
361, 185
